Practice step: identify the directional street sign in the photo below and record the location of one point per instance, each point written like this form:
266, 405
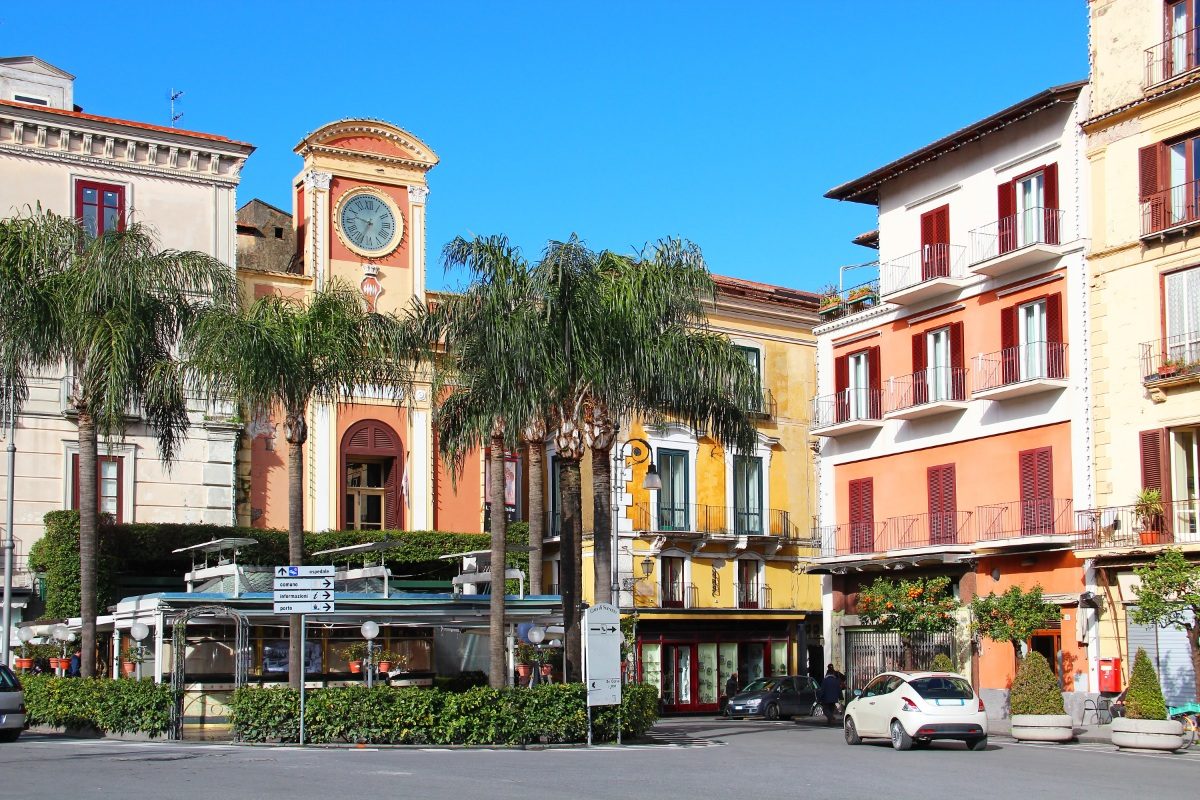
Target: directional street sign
304, 608
302, 584
318, 594
602, 652
319, 571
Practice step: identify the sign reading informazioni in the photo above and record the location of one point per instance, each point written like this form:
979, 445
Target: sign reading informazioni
602, 648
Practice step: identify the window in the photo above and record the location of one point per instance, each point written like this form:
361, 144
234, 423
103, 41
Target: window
1031, 335
943, 505
100, 206
673, 497
747, 584
1169, 183
942, 688
862, 515
35, 101
371, 477
1031, 332
672, 581
1037, 492
1028, 209
1182, 302
754, 358
109, 486
938, 365
366, 494
279, 233
1180, 47
935, 243
554, 526
857, 381
747, 494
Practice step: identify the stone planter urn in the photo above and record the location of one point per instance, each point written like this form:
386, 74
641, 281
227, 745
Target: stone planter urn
1042, 727
1147, 734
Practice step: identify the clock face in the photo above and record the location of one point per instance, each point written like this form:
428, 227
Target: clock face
368, 223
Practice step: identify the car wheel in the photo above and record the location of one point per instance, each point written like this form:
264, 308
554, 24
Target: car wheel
852, 736
10, 735
977, 744
772, 712
900, 738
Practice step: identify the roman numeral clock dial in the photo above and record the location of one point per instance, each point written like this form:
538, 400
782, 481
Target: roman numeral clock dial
369, 222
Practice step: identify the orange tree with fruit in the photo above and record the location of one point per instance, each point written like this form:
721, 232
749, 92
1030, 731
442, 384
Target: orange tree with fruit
910, 608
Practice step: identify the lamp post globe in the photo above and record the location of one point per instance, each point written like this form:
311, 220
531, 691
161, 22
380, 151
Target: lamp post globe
139, 631
369, 629
24, 634
536, 634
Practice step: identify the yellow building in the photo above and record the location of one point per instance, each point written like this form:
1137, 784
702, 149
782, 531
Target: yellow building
711, 563
1143, 146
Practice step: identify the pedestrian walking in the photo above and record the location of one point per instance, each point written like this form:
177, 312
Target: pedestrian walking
831, 693
73, 664
731, 686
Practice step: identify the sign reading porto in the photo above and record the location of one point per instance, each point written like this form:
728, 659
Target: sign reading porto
602, 654
303, 590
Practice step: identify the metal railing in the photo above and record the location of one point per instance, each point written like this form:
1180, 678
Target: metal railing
767, 407
931, 262
1172, 357
846, 406
1173, 57
848, 538
1029, 227
22, 576
849, 301
752, 595
553, 528
926, 530
1129, 526
1025, 362
930, 385
1045, 516
708, 519
677, 595
1179, 205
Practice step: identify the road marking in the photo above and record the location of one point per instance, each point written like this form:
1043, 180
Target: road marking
1107, 749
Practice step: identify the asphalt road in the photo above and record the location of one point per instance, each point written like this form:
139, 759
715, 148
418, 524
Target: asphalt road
693, 759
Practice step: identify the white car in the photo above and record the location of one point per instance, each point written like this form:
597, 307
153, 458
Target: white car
12, 706
916, 708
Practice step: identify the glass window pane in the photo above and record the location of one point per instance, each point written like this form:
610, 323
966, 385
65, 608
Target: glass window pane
90, 196
652, 665
350, 498
779, 658
111, 199
89, 216
111, 219
706, 655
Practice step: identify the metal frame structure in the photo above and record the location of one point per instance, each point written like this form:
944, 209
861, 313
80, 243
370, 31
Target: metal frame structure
241, 656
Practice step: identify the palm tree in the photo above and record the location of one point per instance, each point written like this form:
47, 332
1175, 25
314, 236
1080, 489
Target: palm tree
112, 308
491, 381
285, 354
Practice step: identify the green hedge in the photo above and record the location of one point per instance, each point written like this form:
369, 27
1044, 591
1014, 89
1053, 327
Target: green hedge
1035, 689
109, 706
144, 550
1144, 697
550, 713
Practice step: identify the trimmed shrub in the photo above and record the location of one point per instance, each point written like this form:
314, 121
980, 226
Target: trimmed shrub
1035, 689
1144, 697
106, 705
551, 713
941, 663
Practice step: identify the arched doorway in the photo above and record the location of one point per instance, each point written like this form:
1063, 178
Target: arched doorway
371, 470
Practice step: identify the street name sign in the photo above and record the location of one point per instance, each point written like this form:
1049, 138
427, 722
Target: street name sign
304, 608
316, 571
310, 596
602, 634
303, 584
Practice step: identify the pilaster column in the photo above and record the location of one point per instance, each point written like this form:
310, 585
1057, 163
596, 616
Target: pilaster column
416, 201
316, 193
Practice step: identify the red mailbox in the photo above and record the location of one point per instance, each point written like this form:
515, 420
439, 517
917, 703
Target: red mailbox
1110, 675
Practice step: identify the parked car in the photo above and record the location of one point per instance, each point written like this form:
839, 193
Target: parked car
916, 708
775, 698
12, 706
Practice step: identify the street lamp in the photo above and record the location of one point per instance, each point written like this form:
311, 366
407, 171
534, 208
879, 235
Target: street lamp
369, 630
139, 631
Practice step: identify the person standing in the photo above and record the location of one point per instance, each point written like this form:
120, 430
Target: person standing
731, 687
831, 693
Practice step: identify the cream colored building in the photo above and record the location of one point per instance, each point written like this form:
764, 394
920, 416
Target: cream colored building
1143, 147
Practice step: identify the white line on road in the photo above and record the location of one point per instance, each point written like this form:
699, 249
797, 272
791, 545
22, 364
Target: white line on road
1107, 750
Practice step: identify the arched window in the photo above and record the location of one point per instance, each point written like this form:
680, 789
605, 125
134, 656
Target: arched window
372, 472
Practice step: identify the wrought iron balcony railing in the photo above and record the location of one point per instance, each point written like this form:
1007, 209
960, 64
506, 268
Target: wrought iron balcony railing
1173, 57
930, 385
1030, 227
752, 595
931, 262
842, 303
1027, 362
716, 520
1045, 516
1120, 527
1171, 358
1169, 208
847, 405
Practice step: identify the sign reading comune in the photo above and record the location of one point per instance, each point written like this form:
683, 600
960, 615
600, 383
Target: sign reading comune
303, 590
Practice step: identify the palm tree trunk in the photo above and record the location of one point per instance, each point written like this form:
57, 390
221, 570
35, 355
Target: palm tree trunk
537, 516
602, 553
497, 663
88, 523
570, 546
295, 552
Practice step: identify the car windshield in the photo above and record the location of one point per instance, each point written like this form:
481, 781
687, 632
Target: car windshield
8, 681
761, 685
942, 688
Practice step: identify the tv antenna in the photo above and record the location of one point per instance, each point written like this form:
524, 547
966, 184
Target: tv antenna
175, 95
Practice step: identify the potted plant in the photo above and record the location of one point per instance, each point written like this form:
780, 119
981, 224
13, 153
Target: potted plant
130, 656
355, 653
1149, 510
1036, 701
862, 295
527, 656
1170, 366
389, 660
831, 300
25, 660
1145, 725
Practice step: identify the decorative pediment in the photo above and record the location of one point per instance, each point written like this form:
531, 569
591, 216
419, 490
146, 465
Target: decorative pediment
370, 139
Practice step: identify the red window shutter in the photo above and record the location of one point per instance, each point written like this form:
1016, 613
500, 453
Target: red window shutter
1037, 492
1150, 188
1010, 363
1056, 351
1156, 469
841, 382
862, 515
920, 390
391, 506
942, 504
874, 382
935, 236
74, 481
958, 376
1006, 210
1050, 199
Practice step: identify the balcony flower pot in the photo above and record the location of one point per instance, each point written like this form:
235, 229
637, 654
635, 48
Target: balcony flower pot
128, 668
385, 666
1042, 727
1147, 734
862, 297
356, 667
24, 663
524, 670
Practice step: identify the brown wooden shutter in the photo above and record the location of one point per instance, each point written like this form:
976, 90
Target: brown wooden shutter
841, 382
1010, 358
920, 390
1037, 492
393, 502
874, 382
958, 373
1156, 468
943, 505
1150, 188
862, 515
1006, 211
935, 236
1050, 202
1056, 350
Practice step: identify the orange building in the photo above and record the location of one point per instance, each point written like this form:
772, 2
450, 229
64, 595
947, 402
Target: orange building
951, 411
359, 218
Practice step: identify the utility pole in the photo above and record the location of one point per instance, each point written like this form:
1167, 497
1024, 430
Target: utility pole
8, 414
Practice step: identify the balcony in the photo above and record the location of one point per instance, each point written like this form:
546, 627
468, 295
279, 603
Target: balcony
1020, 240
1022, 370
1172, 210
933, 270
1123, 528
665, 595
766, 408
848, 411
752, 595
702, 519
904, 533
1047, 520
846, 302
1171, 361
936, 390
1172, 58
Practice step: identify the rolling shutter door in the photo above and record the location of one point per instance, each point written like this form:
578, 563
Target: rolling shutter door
1168, 649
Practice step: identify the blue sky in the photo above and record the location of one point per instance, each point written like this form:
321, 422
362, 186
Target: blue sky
621, 121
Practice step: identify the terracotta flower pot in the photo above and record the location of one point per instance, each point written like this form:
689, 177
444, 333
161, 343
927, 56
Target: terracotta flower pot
56, 662
24, 663
385, 666
524, 670
356, 667
128, 667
